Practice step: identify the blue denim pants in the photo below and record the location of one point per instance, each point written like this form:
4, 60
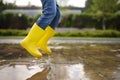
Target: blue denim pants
50, 14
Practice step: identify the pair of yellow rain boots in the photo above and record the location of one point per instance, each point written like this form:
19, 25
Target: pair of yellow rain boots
37, 37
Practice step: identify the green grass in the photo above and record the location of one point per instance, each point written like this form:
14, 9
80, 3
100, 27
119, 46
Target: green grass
96, 33
79, 33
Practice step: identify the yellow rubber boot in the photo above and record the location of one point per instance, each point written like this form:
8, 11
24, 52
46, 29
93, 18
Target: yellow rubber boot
31, 40
49, 32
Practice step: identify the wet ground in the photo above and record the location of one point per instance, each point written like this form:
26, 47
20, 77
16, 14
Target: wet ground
37, 70
81, 61
68, 40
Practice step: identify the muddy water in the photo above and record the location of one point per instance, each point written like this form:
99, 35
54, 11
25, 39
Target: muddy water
38, 70
68, 62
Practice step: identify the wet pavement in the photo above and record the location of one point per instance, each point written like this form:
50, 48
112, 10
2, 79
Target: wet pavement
68, 40
72, 59
51, 69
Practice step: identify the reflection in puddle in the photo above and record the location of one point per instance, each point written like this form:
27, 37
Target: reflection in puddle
41, 75
18, 72
68, 72
38, 72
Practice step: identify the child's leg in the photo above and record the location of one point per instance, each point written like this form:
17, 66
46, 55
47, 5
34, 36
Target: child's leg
56, 19
37, 31
49, 12
49, 32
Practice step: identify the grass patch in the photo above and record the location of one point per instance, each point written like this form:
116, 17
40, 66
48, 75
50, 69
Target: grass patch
96, 33
11, 32
79, 33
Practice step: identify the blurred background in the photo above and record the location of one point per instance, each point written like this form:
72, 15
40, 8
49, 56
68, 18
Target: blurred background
80, 18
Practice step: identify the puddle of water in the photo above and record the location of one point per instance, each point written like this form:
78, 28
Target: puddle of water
38, 72
18, 72
68, 72
101, 62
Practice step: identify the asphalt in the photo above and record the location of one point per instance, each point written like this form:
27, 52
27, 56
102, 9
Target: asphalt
68, 40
